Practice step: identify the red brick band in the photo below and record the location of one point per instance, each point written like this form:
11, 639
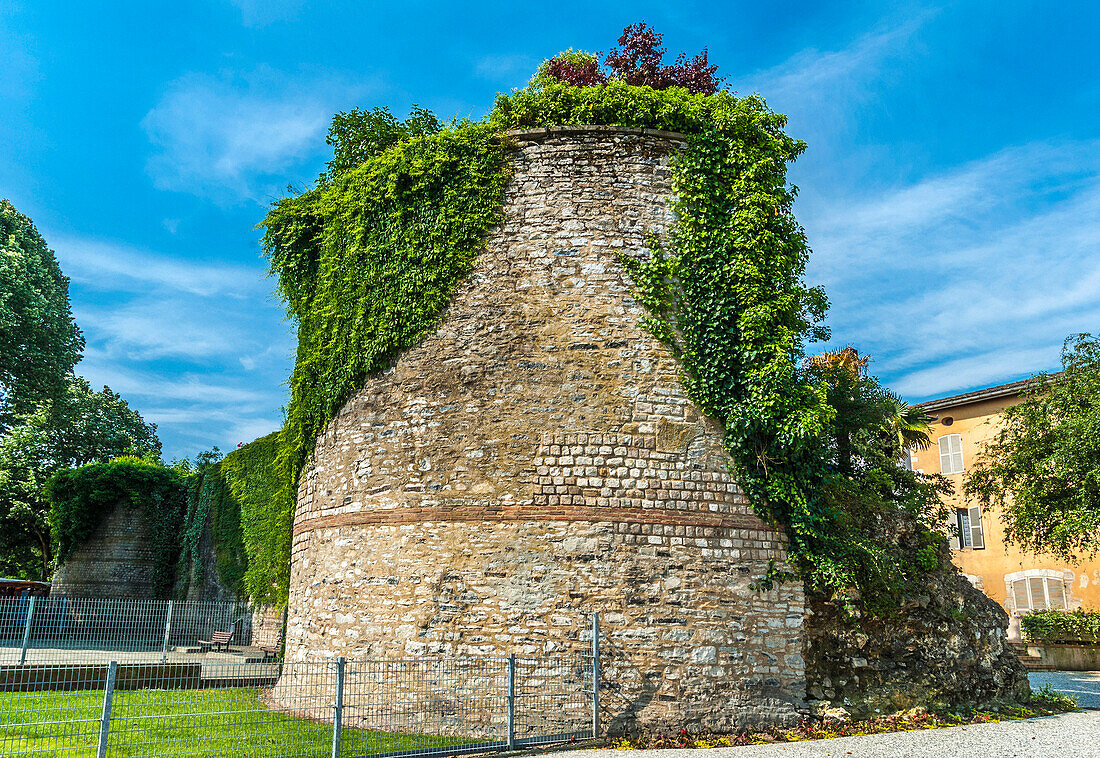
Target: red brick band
534, 513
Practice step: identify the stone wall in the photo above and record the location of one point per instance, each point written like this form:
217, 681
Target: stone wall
535, 460
115, 562
946, 646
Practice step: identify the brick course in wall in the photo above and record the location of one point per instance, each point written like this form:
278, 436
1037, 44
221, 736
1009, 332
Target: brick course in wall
536, 459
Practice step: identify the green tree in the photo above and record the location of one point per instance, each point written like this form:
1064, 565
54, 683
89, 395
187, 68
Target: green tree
882, 536
909, 424
1042, 469
39, 343
357, 135
79, 427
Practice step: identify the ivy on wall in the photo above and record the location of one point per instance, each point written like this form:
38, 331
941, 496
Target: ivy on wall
367, 261
236, 501
80, 498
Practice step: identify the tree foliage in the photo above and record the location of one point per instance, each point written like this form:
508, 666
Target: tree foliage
638, 61
358, 135
880, 535
79, 427
39, 343
1042, 469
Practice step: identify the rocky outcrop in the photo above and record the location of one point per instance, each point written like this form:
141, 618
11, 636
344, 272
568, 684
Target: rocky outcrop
946, 646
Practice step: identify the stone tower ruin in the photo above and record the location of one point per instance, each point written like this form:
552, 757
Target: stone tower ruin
535, 460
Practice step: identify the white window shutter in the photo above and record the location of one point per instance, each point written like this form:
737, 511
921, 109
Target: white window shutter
1038, 593
951, 457
1056, 589
953, 530
977, 536
1019, 594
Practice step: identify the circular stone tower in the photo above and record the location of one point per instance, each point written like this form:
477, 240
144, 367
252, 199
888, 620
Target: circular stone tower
116, 561
536, 459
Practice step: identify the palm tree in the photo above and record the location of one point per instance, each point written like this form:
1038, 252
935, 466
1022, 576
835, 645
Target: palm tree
847, 358
909, 424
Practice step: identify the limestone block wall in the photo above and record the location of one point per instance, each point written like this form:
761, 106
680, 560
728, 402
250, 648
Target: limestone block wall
116, 561
536, 459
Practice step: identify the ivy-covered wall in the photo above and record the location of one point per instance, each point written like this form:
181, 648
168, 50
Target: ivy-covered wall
235, 515
82, 499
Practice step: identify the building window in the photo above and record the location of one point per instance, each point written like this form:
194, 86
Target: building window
965, 527
951, 454
1037, 590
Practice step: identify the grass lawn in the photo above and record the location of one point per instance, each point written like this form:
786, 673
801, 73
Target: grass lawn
209, 722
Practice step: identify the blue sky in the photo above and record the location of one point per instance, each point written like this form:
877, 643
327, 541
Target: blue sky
951, 189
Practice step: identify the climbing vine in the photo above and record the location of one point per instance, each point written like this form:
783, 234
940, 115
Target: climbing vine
367, 261
236, 502
80, 498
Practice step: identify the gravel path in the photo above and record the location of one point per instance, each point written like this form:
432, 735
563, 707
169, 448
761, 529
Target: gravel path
1069, 735
1084, 685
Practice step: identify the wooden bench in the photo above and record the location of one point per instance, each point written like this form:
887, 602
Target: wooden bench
217, 639
269, 651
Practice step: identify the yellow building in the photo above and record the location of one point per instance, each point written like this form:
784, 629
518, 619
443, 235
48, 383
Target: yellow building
1018, 581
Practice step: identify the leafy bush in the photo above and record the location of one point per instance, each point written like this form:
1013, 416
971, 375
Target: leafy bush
1050, 699
638, 62
80, 498
1059, 626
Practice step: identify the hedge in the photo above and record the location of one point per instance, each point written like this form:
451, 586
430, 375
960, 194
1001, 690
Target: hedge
1059, 626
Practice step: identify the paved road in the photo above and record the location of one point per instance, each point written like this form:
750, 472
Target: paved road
1084, 685
1069, 735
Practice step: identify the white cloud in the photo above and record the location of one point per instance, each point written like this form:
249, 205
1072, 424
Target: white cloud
113, 266
818, 88
200, 349
235, 136
977, 370
152, 328
971, 276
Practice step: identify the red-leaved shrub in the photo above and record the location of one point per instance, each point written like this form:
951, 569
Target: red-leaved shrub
639, 61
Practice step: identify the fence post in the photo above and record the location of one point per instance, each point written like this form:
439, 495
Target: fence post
512, 701
338, 707
105, 717
167, 631
595, 675
27, 630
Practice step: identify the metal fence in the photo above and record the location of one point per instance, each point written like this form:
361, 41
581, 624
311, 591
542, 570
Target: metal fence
97, 630
338, 708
